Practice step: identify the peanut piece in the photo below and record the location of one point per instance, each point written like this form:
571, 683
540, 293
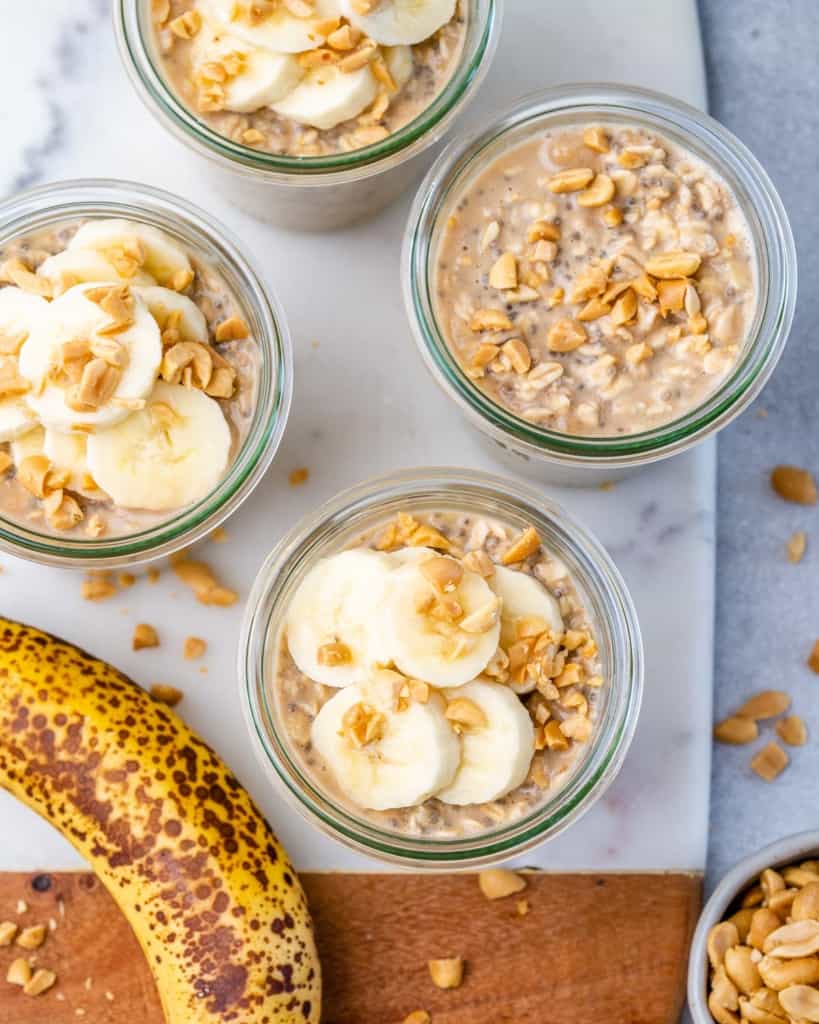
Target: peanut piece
497, 883
766, 704
770, 762
447, 973
166, 694
794, 484
792, 730
736, 730
144, 636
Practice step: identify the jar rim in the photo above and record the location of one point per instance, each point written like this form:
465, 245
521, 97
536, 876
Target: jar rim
717, 147
62, 201
133, 38
591, 568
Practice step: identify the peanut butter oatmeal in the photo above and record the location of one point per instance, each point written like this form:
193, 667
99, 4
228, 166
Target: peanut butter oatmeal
309, 77
128, 378
440, 677
599, 281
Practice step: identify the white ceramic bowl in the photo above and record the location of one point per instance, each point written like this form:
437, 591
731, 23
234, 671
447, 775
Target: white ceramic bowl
791, 849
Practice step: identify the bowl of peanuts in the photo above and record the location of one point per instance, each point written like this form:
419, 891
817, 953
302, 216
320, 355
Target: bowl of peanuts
755, 951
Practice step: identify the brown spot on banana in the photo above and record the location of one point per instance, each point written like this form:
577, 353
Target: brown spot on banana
170, 832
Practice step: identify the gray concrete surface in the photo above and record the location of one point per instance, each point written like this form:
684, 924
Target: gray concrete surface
763, 76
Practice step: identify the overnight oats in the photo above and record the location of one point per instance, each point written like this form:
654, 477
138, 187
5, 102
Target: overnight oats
128, 378
440, 675
310, 114
600, 279
309, 77
145, 374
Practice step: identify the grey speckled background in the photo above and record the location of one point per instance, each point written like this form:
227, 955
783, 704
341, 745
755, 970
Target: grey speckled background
763, 77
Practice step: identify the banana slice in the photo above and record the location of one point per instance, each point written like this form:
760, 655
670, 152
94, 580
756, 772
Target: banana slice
280, 31
496, 756
68, 452
75, 266
166, 456
400, 64
73, 317
262, 77
328, 96
31, 443
163, 258
333, 623
522, 597
444, 638
164, 302
19, 313
380, 757
393, 22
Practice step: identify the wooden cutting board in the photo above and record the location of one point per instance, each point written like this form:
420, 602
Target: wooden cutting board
592, 948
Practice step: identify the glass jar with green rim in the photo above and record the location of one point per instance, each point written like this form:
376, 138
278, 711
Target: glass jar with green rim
60, 204
338, 525
309, 193
565, 458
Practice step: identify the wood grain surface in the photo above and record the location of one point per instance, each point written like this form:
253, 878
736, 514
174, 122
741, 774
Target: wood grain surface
591, 949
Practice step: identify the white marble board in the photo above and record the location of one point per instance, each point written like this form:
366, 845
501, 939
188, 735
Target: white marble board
364, 405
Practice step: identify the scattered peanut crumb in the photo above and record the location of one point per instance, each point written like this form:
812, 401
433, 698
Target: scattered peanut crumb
794, 484
166, 694
32, 937
41, 981
813, 660
98, 588
497, 883
126, 579
195, 647
792, 730
446, 973
22, 907
418, 1017
796, 546
8, 929
765, 704
298, 476
736, 730
219, 535
522, 908
19, 972
144, 636
153, 575
109, 996
607, 485
200, 578
769, 762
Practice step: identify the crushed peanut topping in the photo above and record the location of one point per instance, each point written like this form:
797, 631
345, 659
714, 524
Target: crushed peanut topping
362, 724
144, 636
166, 694
498, 883
447, 973
194, 648
202, 581
298, 476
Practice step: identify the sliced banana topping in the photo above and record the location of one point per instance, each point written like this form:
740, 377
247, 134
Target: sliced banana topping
497, 742
175, 312
329, 95
332, 628
396, 22
441, 622
382, 753
76, 266
166, 456
132, 246
242, 77
19, 313
276, 26
93, 352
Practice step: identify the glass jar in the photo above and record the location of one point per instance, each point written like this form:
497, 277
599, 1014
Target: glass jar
52, 206
308, 193
339, 524
565, 458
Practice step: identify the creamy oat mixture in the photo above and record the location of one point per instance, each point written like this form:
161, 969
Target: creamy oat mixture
516, 732
599, 280
128, 378
309, 77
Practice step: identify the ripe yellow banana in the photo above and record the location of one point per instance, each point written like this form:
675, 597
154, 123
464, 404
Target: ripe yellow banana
176, 840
